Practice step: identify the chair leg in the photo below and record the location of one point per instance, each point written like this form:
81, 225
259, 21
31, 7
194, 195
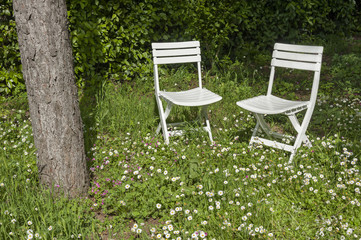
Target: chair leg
263, 124
291, 157
163, 118
208, 126
166, 114
299, 129
255, 130
254, 134
260, 123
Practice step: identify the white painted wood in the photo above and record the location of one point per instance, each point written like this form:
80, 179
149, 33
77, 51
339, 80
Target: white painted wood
166, 114
191, 98
271, 104
273, 144
169, 45
175, 53
286, 56
297, 56
207, 128
296, 65
173, 60
298, 48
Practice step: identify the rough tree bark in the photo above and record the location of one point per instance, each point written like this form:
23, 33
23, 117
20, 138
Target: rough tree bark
47, 62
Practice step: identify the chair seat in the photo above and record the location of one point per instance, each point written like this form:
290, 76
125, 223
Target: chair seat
191, 98
272, 105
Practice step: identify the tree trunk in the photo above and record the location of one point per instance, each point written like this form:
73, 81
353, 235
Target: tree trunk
47, 62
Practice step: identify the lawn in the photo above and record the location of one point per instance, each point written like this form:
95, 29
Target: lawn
192, 189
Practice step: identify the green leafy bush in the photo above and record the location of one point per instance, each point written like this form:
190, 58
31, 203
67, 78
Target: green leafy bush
112, 39
347, 72
10, 66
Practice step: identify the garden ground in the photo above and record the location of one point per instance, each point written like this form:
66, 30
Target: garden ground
142, 188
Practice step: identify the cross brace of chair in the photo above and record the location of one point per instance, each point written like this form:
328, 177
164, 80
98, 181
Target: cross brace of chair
164, 125
300, 129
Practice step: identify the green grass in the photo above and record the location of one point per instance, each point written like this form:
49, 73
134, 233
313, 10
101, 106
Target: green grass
142, 188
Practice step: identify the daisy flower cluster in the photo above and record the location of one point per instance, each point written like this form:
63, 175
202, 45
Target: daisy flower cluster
194, 189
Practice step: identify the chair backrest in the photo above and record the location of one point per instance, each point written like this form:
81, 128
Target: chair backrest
297, 57
173, 53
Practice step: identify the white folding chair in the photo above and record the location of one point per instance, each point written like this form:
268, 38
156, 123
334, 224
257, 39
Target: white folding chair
294, 57
175, 53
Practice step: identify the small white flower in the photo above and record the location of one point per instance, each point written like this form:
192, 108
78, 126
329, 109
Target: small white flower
170, 227
50, 228
159, 205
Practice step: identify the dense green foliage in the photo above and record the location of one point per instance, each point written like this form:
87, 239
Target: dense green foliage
111, 39
11, 78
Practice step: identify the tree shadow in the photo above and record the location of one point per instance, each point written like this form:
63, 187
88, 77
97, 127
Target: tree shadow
88, 107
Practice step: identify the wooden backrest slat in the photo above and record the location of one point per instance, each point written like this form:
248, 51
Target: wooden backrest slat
173, 60
296, 65
176, 52
297, 56
298, 48
170, 45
